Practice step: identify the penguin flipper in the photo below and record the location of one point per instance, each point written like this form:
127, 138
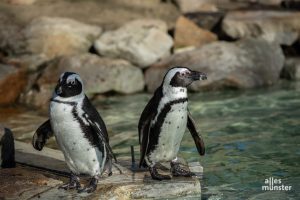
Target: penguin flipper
196, 136
41, 135
144, 144
102, 137
98, 125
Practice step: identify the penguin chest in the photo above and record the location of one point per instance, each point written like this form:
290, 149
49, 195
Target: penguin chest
81, 157
171, 133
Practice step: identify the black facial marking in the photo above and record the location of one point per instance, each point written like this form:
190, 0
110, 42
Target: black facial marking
94, 160
169, 122
185, 77
64, 89
177, 127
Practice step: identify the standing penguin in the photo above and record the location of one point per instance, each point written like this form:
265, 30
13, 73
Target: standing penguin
164, 120
79, 131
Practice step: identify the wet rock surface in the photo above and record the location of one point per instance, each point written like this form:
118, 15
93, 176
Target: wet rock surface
141, 42
291, 70
247, 63
24, 183
124, 184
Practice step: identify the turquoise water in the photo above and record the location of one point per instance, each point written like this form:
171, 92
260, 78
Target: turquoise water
250, 136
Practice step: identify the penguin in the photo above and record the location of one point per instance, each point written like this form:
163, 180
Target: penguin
79, 131
163, 122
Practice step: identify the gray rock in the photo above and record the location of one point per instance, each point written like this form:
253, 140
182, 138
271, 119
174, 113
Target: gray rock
188, 6
99, 74
59, 36
273, 26
247, 63
291, 69
11, 37
141, 42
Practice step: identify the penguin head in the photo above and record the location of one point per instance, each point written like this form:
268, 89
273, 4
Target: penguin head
69, 85
182, 77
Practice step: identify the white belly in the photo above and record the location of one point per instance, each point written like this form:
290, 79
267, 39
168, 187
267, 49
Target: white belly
171, 134
80, 156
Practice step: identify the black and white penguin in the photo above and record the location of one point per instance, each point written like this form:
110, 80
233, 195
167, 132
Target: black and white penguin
164, 120
80, 133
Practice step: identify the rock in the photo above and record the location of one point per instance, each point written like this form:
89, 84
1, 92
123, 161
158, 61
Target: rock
11, 37
59, 36
21, 2
99, 74
124, 184
141, 42
8, 148
30, 62
25, 183
274, 26
12, 82
291, 69
206, 20
189, 6
187, 33
106, 14
248, 63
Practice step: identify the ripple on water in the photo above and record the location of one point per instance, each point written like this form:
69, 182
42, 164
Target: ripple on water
249, 135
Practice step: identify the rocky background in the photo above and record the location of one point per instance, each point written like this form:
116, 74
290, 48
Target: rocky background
125, 46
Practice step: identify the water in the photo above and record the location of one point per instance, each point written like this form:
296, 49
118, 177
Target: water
249, 135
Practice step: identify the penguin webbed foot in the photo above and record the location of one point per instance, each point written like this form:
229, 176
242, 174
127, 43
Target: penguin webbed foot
91, 187
73, 183
156, 176
178, 171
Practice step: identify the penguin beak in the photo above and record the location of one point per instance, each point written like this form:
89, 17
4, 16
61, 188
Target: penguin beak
198, 76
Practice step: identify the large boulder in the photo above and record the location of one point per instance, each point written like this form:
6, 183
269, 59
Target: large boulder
247, 63
12, 41
141, 42
189, 6
53, 36
274, 26
99, 74
187, 33
13, 81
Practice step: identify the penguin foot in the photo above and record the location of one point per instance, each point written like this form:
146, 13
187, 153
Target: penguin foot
73, 183
178, 171
91, 187
156, 176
